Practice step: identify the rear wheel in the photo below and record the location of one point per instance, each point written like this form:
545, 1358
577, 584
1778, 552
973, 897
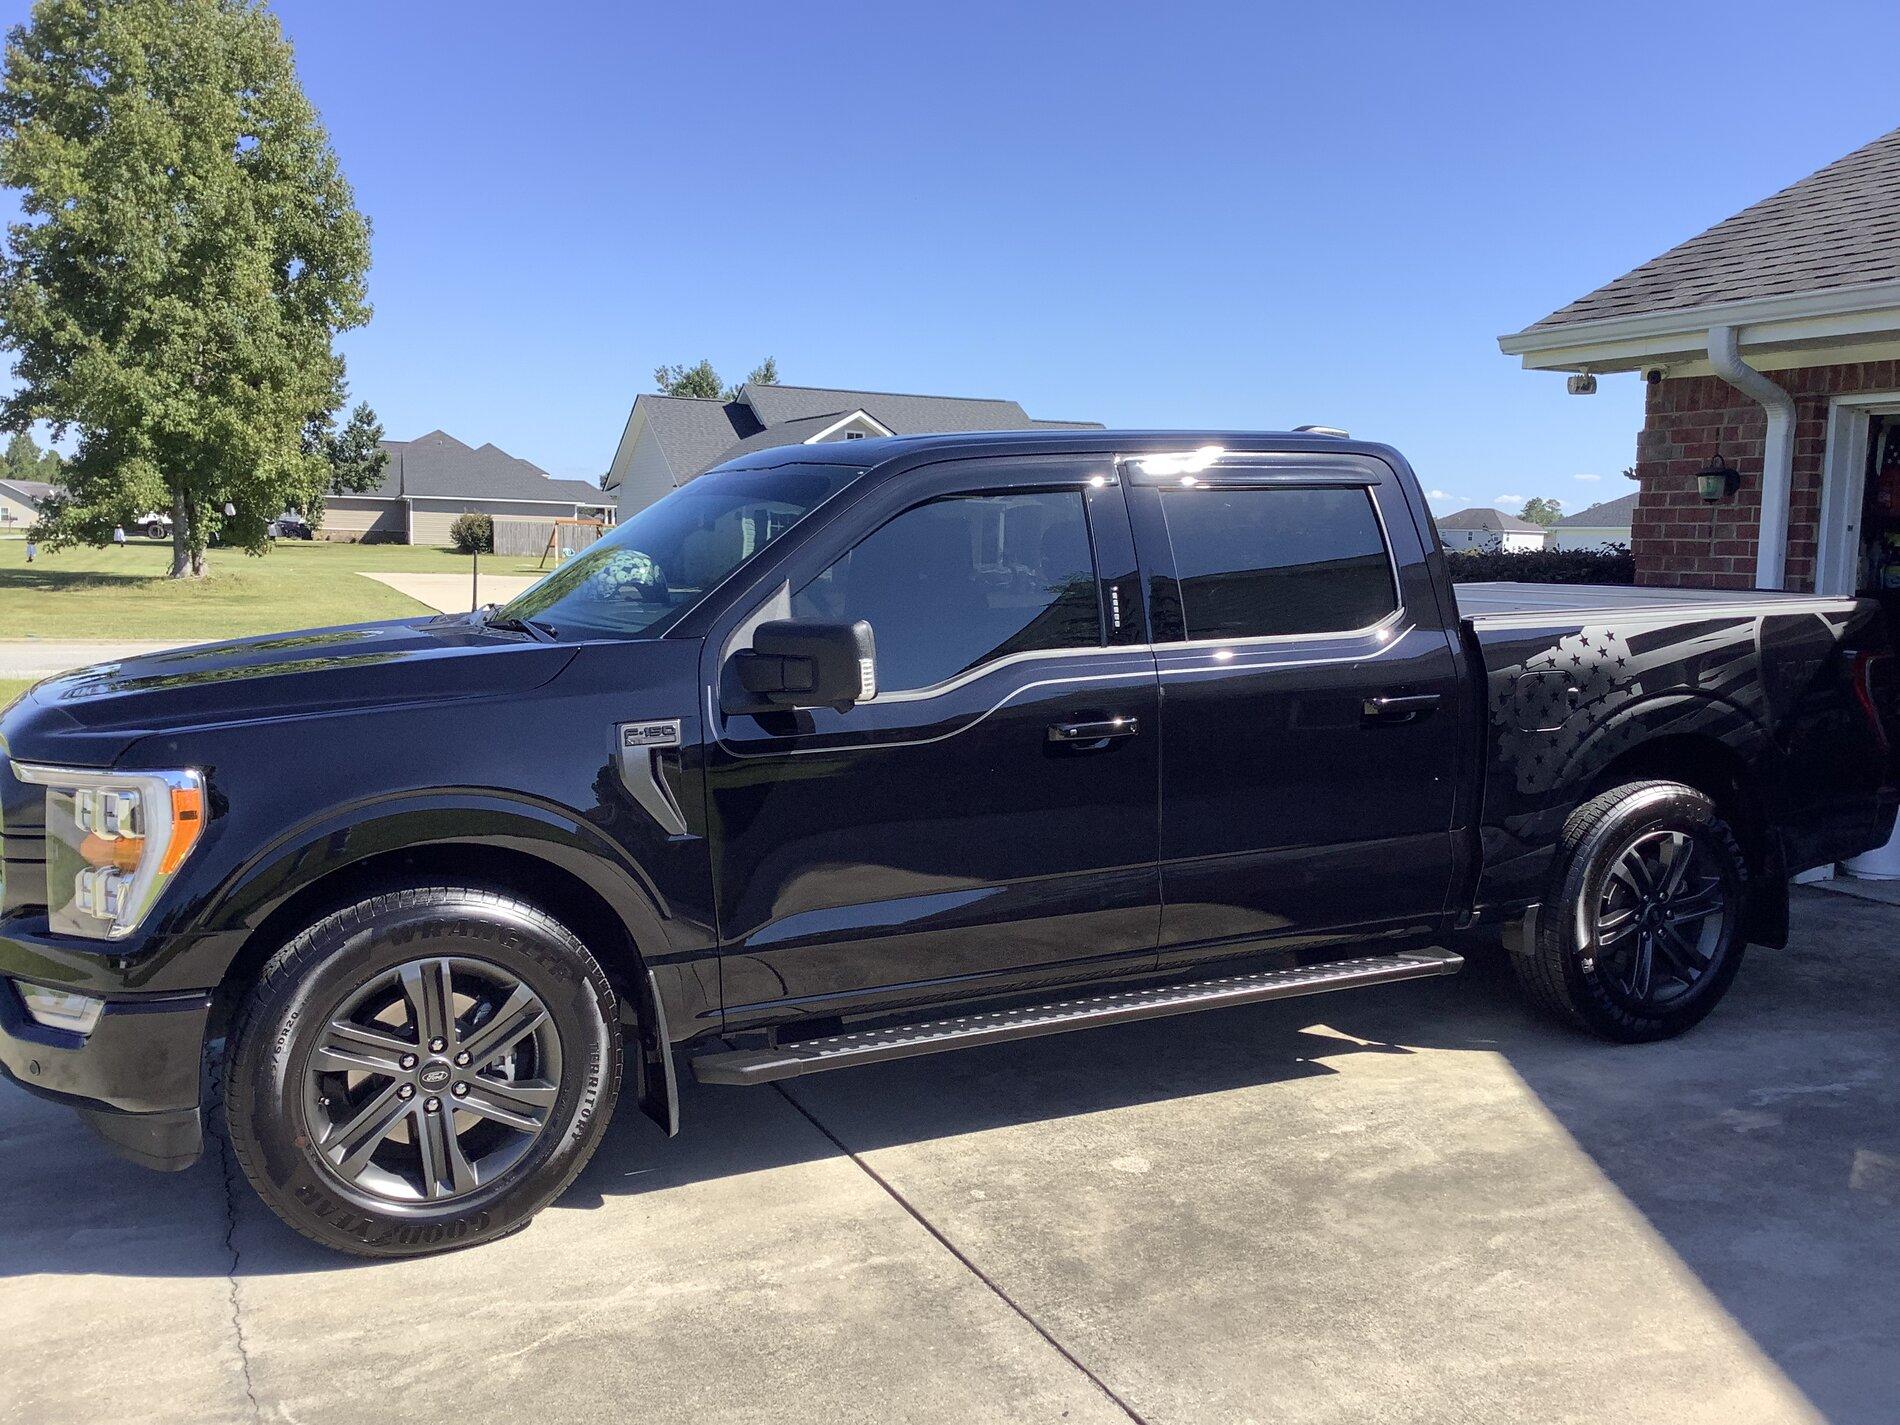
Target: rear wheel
424, 1070
1642, 934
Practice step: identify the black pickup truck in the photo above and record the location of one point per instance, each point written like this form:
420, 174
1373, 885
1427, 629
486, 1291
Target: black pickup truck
852, 751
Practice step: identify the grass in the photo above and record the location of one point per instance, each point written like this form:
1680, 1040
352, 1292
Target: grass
11, 688
124, 594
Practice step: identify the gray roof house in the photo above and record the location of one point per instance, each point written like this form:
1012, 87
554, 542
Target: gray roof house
434, 478
668, 440
1485, 528
20, 501
1600, 525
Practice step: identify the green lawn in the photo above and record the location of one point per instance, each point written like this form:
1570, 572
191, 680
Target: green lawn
123, 593
11, 688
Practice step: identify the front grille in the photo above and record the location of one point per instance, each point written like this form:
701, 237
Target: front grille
22, 842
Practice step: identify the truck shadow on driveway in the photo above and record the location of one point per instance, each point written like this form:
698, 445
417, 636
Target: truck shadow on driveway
1762, 1151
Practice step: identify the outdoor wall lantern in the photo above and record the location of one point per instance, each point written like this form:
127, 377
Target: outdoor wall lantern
1718, 479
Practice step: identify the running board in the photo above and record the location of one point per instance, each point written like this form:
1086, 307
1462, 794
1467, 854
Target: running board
901, 1041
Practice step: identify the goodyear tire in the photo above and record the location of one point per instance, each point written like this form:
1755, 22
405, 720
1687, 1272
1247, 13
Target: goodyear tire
422, 1071
1640, 934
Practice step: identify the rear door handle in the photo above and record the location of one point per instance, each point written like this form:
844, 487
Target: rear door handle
1399, 708
1102, 731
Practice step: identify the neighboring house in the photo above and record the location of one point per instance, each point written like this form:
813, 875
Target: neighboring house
1597, 527
431, 480
1489, 530
670, 439
20, 502
1771, 345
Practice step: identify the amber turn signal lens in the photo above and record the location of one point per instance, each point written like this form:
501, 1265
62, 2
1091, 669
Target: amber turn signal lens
188, 820
122, 853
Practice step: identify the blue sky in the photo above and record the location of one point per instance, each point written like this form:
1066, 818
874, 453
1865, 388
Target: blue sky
1149, 215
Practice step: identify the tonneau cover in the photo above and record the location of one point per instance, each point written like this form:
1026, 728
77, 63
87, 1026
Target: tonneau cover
1507, 600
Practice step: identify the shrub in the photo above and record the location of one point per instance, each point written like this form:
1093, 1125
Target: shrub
473, 534
1615, 565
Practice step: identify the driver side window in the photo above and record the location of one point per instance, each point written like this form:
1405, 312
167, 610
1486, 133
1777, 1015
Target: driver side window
965, 580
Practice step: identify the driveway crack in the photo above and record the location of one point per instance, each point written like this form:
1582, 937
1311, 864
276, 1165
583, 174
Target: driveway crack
231, 1190
970, 1266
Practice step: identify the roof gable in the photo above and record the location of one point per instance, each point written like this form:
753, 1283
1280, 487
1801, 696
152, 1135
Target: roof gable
1485, 518
438, 466
1610, 514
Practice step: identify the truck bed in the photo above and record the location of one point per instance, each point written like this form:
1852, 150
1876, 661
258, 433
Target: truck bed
1509, 602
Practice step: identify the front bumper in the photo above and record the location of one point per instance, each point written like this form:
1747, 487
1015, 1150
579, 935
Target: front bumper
135, 1079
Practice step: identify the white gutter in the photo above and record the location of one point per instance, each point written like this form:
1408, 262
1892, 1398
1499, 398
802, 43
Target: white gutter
1777, 454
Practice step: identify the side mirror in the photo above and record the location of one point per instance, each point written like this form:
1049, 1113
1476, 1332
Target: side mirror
793, 663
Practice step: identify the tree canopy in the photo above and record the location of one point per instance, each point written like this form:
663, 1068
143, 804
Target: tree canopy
702, 381
24, 460
188, 248
1542, 509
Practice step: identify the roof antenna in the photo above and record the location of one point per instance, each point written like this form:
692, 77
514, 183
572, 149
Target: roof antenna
1323, 430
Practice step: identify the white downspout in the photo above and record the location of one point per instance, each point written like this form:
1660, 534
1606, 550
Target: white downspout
1777, 454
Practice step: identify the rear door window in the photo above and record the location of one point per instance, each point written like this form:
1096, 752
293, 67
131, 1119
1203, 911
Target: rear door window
1275, 561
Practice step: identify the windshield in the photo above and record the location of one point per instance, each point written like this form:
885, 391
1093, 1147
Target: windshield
673, 551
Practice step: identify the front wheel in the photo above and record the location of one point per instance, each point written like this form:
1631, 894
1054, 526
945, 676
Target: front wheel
1642, 934
424, 1070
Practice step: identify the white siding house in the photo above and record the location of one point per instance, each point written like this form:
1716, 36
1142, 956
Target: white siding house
1598, 527
1489, 530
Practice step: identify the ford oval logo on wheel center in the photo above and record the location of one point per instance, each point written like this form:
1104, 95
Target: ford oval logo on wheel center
435, 1075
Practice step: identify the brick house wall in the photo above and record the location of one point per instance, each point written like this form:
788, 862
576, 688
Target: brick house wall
1676, 538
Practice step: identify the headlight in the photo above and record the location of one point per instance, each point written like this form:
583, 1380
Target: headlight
113, 840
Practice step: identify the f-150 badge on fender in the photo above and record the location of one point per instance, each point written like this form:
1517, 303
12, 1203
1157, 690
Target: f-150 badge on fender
638, 746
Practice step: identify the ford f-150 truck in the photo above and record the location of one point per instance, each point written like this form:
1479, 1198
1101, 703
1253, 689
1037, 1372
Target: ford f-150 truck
852, 751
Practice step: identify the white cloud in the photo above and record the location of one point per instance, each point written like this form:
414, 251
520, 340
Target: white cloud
1588, 477
1437, 495
1510, 499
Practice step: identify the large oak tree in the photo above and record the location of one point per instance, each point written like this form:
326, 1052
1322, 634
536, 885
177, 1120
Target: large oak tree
188, 249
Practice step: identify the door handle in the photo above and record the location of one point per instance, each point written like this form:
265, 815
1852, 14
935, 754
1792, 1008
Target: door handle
1398, 708
1102, 731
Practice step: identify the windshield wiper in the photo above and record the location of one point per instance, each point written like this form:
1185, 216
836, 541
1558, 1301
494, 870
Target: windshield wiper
534, 628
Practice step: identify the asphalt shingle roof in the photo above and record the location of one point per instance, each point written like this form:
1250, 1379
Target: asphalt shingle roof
34, 490
1484, 517
1839, 227
697, 434
440, 466
1611, 514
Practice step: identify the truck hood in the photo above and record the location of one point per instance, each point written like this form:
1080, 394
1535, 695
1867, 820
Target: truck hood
88, 717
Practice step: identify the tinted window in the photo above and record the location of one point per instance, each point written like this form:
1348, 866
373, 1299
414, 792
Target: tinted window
962, 581
1278, 561
669, 554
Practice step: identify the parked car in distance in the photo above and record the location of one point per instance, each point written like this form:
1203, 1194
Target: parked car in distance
290, 525
844, 753
154, 525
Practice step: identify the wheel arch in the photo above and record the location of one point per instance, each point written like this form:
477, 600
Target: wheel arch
1742, 791
304, 878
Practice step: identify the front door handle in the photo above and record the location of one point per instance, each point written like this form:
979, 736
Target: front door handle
1405, 707
1073, 733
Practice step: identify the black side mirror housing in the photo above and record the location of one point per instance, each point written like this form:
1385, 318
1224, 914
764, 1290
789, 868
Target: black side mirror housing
795, 663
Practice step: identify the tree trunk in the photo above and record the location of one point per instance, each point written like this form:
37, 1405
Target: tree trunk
181, 539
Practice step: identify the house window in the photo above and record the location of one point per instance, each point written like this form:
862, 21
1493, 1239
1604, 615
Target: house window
854, 435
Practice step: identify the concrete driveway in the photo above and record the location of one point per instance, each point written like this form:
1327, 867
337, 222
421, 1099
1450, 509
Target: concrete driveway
1404, 1204
455, 593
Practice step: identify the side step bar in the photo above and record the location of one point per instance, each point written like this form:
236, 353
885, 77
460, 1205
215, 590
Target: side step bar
901, 1041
